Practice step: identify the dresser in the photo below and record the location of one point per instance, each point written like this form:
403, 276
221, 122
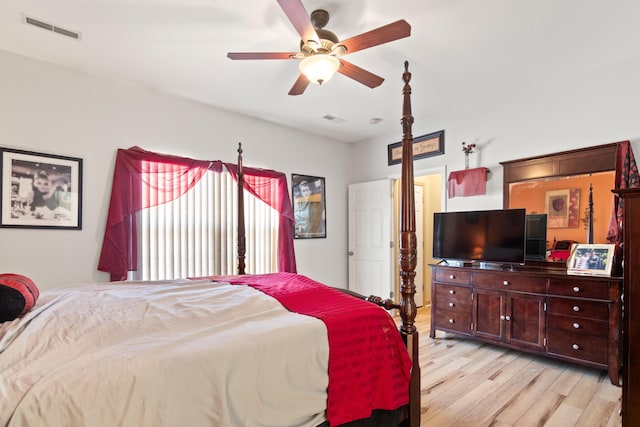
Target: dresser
541, 311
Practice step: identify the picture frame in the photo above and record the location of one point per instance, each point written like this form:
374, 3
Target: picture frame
40, 190
431, 144
562, 208
591, 259
309, 206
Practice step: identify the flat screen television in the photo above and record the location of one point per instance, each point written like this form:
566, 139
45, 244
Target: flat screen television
494, 236
536, 229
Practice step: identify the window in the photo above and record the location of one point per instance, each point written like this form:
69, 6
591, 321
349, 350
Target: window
196, 234
172, 217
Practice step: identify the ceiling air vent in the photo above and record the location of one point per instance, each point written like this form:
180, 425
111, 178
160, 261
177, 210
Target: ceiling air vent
333, 118
50, 27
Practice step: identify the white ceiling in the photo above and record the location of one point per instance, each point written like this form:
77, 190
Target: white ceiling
462, 53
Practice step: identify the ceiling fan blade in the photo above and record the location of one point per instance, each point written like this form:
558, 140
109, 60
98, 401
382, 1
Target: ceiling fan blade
360, 74
260, 55
299, 17
300, 85
387, 33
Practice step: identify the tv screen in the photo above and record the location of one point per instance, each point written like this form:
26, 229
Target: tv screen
536, 229
490, 236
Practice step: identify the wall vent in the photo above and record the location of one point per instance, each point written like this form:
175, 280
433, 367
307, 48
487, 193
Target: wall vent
50, 27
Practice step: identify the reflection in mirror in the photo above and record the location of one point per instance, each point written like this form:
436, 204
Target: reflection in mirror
565, 201
558, 185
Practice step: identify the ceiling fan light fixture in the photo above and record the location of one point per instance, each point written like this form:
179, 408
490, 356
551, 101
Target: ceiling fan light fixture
319, 68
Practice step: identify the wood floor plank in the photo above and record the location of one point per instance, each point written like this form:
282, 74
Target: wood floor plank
540, 409
564, 416
493, 402
597, 413
469, 383
529, 396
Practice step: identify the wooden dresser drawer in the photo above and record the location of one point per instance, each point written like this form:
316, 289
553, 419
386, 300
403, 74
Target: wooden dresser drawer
583, 347
453, 320
510, 282
598, 328
580, 308
595, 289
453, 297
453, 276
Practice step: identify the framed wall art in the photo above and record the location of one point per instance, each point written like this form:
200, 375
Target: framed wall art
308, 199
562, 208
591, 259
428, 145
40, 190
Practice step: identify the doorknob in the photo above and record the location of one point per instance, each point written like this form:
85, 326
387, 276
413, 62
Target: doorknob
350, 253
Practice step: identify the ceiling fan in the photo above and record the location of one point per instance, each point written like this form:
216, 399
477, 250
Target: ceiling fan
321, 51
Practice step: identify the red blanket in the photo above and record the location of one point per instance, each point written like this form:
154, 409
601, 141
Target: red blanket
369, 366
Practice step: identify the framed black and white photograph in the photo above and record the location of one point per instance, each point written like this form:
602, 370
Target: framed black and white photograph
591, 259
308, 199
40, 190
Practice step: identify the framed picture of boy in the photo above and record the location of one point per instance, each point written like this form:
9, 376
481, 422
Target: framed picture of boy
308, 197
40, 190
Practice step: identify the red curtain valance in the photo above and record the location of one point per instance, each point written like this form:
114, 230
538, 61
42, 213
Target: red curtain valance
174, 176
627, 176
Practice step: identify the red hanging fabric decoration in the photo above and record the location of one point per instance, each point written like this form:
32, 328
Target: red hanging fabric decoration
627, 176
171, 176
259, 183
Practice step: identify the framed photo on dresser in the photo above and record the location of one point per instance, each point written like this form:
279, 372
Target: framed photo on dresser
591, 259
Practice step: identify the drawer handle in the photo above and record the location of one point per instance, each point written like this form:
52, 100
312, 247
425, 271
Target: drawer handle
576, 289
450, 320
451, 291
502, 317
576, 326
451, 304
452, 277
506, 283
575, 347
576, 308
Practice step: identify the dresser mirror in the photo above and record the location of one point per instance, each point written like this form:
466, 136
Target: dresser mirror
573, 188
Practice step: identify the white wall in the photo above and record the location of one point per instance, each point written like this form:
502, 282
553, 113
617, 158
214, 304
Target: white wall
601, 105
49, 109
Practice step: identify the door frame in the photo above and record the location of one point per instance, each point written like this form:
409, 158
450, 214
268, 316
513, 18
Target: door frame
438, 170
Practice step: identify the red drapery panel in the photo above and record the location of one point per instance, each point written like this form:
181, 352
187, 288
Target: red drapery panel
627, 176
172, 176
259, 183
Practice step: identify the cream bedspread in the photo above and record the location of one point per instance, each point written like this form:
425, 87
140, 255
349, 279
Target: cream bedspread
178, 353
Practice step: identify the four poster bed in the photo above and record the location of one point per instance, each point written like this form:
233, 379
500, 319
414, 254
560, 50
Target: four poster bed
252, 350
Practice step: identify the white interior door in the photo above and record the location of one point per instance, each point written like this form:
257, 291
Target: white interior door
370, 238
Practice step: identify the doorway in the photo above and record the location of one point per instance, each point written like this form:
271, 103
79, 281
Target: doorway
432, 200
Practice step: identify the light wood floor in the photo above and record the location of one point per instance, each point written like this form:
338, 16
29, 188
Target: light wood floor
467, 383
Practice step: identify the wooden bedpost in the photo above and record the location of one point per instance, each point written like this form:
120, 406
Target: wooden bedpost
241, 230
408, 253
